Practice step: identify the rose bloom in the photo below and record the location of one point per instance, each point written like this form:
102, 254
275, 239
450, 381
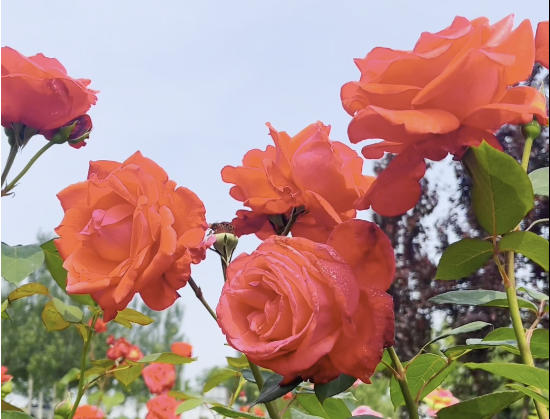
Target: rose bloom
127, 230
182, 349
439, 399
449, 93
38, 93
365, 410
121, 349
541, 44
311, 310
88, 412
159, 378
162, 407
100, 326
5, 376
307, 170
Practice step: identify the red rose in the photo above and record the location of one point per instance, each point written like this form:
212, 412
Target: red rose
162, 407
121, 349
5, 376
100, 326
311, 310
159, 378
38, 93
451, 92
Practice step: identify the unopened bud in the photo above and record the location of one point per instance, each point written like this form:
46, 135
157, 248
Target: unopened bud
7, 388
75, 132
531, 130
226, 240
63, 409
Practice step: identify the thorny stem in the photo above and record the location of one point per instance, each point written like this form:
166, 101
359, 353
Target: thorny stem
83, 360
13, 183
9, 162
200, 296
401, 377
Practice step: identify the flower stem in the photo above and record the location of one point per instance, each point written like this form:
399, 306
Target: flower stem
270, 407
200, 296
83, 360
9, 162
401, 377
13, 183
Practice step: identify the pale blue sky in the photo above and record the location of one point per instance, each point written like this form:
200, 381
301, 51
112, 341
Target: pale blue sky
191, 84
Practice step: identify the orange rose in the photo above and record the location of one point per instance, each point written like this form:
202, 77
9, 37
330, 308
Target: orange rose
127, 230
449, 93
100, 326
182, 349
159, 378
88, 412
287, 176
310, 310
541, 44
162, 407
38, 93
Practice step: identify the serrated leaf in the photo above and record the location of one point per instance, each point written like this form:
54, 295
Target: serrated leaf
524, 374
103, 363
54, 264
534, 294
481, 407
128, 316
539, 341
27, 290
83, 330
238, 363
128, 375
230, 413
463, 258
188, 405
166, 358
219, 377
477, 344
502, 193
486, 298
529, 245
272, 390
248, 376
539, 179
69, 313
52, 319
330, 409
337, 386
467, 328
529, 393
18, 262
418, 372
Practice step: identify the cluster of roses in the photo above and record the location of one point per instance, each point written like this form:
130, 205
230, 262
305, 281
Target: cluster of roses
313, 305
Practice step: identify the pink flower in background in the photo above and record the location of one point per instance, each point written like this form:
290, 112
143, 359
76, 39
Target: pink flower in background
365, 410
357, 383
439, 399
5, 376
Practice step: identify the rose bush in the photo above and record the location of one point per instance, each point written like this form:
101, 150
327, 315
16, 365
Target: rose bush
127, 230
451, 92
38, 93
273, 182
311, 310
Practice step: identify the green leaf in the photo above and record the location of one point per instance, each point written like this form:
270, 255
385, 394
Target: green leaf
166, 358
5, 306
103, 363
485, 298
336, 408
27, 290
463, 258
18, 262
534, 294
128, 316
365, 417
128, 375
110, 401
476, 344
219, 377
272, 390
182, 396
529, 393
530, 376
342, 383
52, 319
71, 376
467, 328
528, 244
387, 359
6, 406
230, 413
483, 407
539, 179
54, 263
187, 405
296, 414
13, 414
331, 409
539, 341
248, 376
419, 372
502, 192
238, 363
69, 313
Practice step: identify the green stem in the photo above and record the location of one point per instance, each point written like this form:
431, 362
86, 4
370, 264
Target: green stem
401, 377
200, 296
83, 361
527, 153
9, 162
270, 407
26, 168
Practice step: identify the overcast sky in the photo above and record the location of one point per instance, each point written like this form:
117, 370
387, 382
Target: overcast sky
191, 85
